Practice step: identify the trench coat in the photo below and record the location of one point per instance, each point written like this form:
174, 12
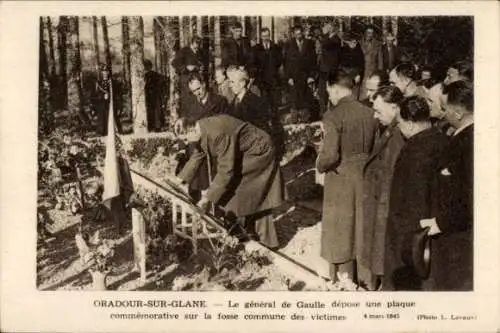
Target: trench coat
452, 251
247, 177
410, 201
349, 137
378, 173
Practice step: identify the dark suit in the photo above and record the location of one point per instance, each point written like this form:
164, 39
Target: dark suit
300, 65
354, 60
236, 53
452, 250
156, 93
267, 63
252, 109
410, 201
328, 64
248, 179
390, 56
349, 137
183, 58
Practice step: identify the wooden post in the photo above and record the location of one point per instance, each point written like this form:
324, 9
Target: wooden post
139, 240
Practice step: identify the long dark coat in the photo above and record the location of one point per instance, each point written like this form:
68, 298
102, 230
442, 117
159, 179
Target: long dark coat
410, 201
214, 105
349, 136
452, 251
378, 173
155, 87
182, 59
247, 179
236, 53
300, 65
390, 56
266, 66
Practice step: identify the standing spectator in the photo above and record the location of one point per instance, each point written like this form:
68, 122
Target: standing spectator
352, 57
435, 98
186, 62
268, 59
246, 105
236, 50
300, 68
103, 95
328, 61
452, 223
390, 52
459, 71
247, 182
349, 136
374, 82
411, 192
371, 48
403, 76
222, 83
378, 173
155, 88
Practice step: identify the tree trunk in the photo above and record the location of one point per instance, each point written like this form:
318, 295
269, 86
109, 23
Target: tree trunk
107, 51
157, 33
50, 47
45, 111
136, 30
73, 68
95, 42
62, 31
127, 92
170, 39
217, 42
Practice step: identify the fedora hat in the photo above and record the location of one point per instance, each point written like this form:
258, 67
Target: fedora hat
421, 253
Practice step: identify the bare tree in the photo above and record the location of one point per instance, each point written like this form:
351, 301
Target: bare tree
73, 68
127, 92
136, 30
45, 111
107, 51
95, 42
62, 32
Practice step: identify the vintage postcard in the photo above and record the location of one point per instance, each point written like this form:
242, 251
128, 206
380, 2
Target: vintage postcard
249, 166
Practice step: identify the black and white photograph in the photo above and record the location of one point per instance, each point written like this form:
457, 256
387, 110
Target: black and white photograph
255, 153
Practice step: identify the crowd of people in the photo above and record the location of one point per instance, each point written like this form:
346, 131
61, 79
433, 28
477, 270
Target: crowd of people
397, 152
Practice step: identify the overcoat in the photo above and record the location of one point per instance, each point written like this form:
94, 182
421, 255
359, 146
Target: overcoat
410, 201
214, 105
452, 251
378, 173
155, 88
247, 178
390, 56
349, 136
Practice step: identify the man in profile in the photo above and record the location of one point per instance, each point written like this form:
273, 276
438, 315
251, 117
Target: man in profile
236, 50
155, 90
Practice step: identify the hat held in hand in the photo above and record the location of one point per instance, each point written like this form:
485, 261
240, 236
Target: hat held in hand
421, 253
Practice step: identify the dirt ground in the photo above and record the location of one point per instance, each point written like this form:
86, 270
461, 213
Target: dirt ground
298, 228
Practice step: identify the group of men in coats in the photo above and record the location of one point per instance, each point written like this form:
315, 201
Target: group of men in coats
395, 181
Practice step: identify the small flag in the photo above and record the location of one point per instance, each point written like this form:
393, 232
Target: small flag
111, 171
